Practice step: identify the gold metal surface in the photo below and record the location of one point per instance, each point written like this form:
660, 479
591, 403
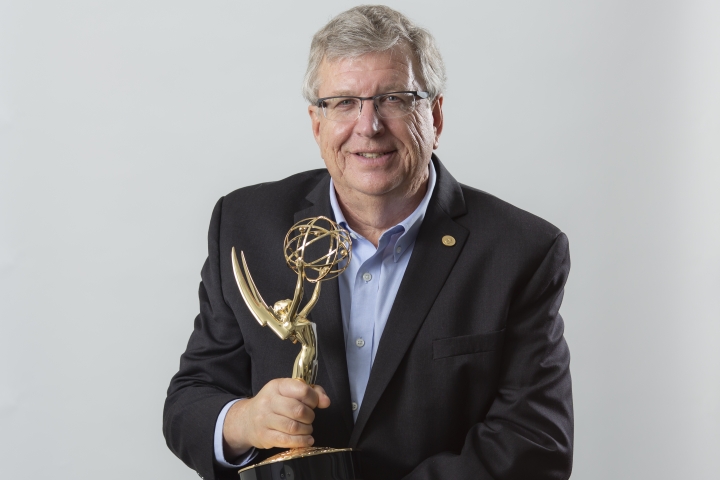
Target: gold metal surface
296, 453
448, 240
283, 318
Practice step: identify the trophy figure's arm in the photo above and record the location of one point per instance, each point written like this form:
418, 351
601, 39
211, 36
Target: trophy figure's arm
313, 300
299, 292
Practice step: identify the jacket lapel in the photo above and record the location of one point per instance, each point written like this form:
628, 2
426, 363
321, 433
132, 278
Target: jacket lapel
327, 314
426, 273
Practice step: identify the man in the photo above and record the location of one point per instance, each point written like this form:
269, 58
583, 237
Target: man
440, 347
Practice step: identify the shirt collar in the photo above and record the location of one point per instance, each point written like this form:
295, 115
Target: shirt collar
408, 228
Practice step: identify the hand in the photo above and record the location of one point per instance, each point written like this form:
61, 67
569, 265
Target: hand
280, 415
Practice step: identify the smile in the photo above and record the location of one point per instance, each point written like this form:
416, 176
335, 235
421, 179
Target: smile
372, 154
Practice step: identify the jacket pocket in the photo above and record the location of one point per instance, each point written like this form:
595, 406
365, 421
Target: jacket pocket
466, 344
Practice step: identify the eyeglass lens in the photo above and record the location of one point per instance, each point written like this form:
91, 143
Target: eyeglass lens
388, 106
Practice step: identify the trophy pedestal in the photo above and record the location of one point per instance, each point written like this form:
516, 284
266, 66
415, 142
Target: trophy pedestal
312, 463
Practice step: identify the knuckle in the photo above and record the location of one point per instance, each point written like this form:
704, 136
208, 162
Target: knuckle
282, 439
298, 410
262, 402
256, 419
292, 427
311, 399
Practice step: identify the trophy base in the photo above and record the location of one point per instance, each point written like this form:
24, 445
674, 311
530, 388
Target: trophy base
311, 463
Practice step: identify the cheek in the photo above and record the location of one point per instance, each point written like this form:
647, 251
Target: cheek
419, 134
425, 133
332, 136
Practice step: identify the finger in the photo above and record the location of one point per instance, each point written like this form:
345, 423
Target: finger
293, 409
283, 440
323, 399
299, 390
288, 426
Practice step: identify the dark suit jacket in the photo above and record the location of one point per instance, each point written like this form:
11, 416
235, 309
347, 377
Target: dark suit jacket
471, 379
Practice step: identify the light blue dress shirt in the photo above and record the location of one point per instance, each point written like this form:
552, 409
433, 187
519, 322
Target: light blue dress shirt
367, 292
368, 288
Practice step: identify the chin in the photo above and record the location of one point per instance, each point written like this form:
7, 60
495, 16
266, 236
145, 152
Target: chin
375, 188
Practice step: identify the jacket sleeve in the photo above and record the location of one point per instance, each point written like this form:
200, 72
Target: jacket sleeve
214, 370
528, 431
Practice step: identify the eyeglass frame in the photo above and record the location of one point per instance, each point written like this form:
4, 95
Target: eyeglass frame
417, 93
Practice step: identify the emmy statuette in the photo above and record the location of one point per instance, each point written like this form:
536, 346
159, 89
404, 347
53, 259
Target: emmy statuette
289, 321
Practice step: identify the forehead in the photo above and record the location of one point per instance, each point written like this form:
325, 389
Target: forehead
368, 74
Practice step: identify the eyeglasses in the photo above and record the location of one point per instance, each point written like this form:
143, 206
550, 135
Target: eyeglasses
347, 108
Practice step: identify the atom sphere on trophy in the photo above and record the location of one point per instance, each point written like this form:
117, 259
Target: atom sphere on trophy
304, 244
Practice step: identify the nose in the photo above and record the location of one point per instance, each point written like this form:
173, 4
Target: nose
369, 122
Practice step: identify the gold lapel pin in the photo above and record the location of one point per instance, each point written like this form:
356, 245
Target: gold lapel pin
448, 240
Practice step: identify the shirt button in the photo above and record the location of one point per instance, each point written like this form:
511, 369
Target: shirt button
367, 277
354, 406
398, 249
360, 342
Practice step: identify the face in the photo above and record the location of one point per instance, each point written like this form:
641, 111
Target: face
372, 155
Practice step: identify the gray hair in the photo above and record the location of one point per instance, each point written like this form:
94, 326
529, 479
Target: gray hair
373, 28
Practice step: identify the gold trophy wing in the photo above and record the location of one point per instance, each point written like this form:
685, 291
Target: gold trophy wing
262, 313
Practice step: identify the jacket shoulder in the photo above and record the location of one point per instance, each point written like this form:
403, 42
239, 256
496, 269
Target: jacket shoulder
504, 220
514, 238
297, 185
281, 197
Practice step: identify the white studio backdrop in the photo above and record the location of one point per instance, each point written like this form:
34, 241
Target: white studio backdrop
122, 122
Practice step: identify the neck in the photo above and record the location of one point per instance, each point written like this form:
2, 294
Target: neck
371, 215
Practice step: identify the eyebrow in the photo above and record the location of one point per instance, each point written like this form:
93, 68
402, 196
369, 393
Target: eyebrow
348, 93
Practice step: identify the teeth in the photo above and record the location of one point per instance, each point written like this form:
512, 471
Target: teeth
371, 155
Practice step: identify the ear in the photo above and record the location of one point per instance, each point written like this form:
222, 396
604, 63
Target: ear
315, 121
437, 114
